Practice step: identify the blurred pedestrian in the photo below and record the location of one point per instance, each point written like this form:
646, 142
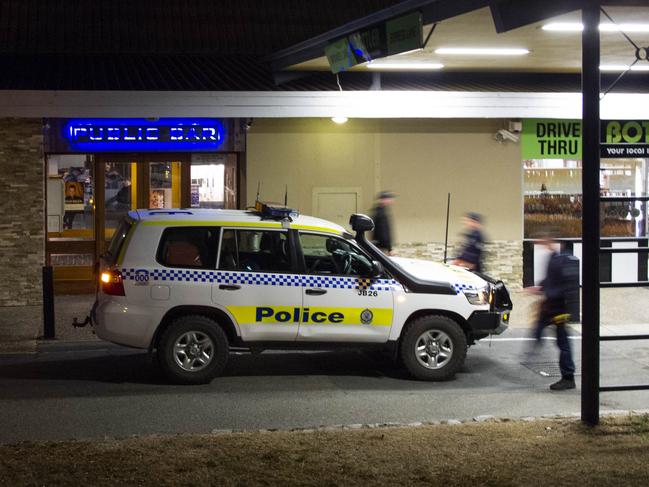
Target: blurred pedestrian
554, 309
383, 221
472, 248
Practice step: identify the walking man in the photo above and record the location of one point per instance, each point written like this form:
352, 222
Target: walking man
382, 222
553, 310
471, 254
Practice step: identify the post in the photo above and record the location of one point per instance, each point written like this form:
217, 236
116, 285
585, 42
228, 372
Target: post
448, 207
49, 332
590, 79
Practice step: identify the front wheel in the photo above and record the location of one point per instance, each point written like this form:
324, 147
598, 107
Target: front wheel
193, 350
433, 348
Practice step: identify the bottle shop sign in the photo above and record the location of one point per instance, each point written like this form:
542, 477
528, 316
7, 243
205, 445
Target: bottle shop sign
134, 134
561, 139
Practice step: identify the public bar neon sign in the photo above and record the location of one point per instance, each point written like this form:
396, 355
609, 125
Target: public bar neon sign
140, 134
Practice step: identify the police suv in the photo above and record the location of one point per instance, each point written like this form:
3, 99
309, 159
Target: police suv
191, 283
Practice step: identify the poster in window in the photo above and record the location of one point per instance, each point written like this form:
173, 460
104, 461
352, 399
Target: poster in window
157, 198
73, 196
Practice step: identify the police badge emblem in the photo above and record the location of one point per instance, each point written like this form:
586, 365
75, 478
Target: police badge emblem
366, 316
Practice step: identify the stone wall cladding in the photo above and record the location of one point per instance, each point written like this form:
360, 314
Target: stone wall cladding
22, 201
503, 258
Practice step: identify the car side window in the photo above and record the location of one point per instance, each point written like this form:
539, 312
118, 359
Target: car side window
324, 254
190, 247
255, 251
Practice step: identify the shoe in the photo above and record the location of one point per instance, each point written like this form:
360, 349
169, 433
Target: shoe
563, 385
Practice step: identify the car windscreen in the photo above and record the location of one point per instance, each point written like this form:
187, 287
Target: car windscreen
116, 243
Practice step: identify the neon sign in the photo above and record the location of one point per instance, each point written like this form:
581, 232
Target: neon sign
135, 134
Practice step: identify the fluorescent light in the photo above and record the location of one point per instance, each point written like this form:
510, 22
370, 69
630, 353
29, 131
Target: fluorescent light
608, 27
623, 67
339, 120
404, 65
483, 51
564, 26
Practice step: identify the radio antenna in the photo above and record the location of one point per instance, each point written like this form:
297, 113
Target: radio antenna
448, 207
286, 196
258, 188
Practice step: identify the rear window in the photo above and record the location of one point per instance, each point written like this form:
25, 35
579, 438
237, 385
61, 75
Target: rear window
189, 247
117, 242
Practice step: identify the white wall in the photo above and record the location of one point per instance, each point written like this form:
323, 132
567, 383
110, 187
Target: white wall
421, 160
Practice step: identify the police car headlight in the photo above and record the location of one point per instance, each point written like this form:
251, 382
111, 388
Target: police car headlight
477, 296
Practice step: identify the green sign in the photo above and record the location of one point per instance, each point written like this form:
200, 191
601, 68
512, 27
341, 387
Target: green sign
395, 36
404, 33
625, 138
340, 56
561, 139
551, 139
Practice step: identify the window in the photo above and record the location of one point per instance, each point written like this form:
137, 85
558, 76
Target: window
70, 200
117, 241
332, 255
255, 250
193, 247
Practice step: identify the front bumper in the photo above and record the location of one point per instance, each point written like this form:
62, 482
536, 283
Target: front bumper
483, 323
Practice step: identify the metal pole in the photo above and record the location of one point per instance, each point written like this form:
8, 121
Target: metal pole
448, 207
590, 80
48, 303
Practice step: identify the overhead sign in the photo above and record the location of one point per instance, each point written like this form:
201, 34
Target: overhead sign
561, 139
551, 139
394, 36
139, 134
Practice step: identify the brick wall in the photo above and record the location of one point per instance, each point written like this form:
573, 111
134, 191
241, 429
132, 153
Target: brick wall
22, 201
503, 258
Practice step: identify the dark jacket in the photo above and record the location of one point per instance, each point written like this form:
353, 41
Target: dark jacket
382, 228
555, 287
472, 249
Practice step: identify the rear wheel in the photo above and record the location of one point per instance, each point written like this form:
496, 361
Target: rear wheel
193, 350
433, 348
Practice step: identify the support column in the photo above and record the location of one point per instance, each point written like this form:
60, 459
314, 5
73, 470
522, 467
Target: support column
590, 79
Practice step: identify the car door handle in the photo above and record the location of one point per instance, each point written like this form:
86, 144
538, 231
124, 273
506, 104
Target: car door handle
316, 292
229, 287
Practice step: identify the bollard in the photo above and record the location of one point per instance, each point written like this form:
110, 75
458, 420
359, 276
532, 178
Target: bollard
49, 332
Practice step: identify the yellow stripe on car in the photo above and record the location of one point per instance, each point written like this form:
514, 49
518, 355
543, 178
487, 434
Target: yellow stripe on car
231, 224
311, 315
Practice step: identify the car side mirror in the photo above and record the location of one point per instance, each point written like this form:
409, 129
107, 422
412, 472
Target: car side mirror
377, 269
361, 223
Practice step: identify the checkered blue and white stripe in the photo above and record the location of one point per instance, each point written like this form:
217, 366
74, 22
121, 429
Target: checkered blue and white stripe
464, 287
263, 279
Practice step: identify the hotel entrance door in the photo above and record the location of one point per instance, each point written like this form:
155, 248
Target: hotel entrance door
89, 195
142, 181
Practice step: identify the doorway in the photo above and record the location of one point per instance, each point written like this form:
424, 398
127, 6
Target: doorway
136, 181
88, 195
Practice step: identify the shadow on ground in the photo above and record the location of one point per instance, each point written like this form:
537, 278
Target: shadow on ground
136, 372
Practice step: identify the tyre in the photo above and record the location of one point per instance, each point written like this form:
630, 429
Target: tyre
433, 348
193, 350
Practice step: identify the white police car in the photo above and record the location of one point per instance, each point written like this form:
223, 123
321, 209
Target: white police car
191, 283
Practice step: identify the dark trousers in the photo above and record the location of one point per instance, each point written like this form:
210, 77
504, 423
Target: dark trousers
566, 364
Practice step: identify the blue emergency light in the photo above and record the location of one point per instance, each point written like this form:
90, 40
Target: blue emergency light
275, 211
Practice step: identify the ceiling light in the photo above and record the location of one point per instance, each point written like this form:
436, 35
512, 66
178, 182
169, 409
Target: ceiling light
623, 67
564, 26
578, 27
339, 120
404, 65
483, 51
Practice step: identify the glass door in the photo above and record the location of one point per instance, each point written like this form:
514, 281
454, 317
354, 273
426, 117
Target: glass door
120, 193
137, 181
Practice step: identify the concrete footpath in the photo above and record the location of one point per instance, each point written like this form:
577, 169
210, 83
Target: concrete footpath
20, 327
